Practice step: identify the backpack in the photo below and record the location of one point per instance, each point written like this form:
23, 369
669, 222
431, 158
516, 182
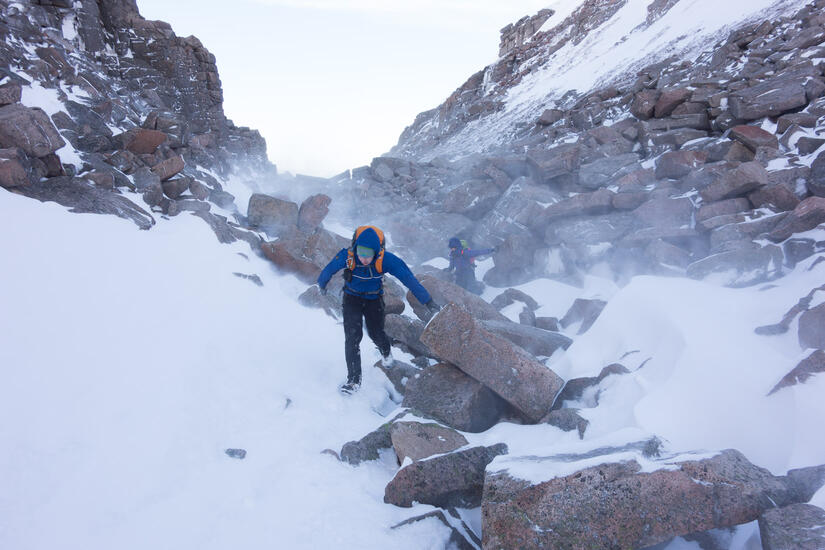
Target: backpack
379, 261
466, 246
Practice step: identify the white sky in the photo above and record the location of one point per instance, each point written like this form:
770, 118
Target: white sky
332, 83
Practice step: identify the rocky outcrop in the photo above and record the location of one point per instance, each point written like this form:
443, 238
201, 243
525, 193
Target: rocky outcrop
799, 526
529, 386
622, 504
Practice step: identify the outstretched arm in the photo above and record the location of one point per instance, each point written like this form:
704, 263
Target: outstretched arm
338, 263
396, 266
480, 252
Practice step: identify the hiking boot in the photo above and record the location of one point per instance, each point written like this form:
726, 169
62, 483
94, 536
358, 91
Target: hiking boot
387, 361
349, 388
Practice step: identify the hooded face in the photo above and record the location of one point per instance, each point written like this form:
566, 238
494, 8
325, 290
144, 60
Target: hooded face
368, 243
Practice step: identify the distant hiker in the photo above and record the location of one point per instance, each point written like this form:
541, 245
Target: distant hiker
364, 264
462, 260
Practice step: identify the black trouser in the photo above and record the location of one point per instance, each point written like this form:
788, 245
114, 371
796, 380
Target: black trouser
372, 311
465, 278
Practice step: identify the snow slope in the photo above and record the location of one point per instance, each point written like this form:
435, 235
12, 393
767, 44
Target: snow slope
132, 359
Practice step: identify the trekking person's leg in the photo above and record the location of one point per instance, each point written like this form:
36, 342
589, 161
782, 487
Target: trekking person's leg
353, 309
374, 318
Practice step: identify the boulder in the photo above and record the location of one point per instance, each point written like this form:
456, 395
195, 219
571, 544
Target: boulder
720, 208
575, 387
644, 104
368, 447
304, 255
585, 311
445, 393
803, 120
665, 212
622, 505
606, 171
597, 202
548, 164
550, 117
808, 367
512, 295
777, 197
275, 216
312, 212
798, 526
567, 420
454, 479
736, 234
772, 97
444, 291
754, 137
176, 187
141, 141
807, 145
169, 167
534, 340
678, 164
808, 214
472, 198
669, 100
456, 336
741, 267
29, 129
10, 92
816, 179
418, 441
812, 328
741, 181
16, 169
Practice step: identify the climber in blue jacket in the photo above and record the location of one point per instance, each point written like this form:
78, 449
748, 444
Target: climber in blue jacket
364, 263
462, 260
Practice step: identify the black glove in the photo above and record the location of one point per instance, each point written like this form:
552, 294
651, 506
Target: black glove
433, 307
322, 290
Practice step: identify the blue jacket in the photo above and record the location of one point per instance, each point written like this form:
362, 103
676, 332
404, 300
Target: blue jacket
366, 282
461, 258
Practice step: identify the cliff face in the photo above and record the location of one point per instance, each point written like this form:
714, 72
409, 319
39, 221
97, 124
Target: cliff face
125, 67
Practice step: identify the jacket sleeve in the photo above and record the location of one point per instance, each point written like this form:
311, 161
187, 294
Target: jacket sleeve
337, 263
396, 266
480, 252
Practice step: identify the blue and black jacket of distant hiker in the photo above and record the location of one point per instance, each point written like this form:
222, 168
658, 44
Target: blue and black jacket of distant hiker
367, 281
462, 259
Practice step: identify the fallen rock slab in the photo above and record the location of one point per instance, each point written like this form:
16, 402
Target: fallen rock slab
624, 505
444, 292
455, 336
808, 214
534, 340
30, 129
454, 479
812, 328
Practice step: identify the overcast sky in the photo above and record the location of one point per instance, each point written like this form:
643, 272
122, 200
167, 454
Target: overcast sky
332, 83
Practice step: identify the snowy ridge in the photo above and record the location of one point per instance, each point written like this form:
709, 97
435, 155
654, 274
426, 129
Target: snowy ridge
607, 55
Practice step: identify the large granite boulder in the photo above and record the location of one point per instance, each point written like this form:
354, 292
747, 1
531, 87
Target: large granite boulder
808, 214
369, 446
816, 180
407, 332
769, 98
273, 215
456, 336
473, 198
453, 479
585, 204
29, 129
419, 441
452, 397
739, 182
678, 164
798, 526
754, 137
312, 212
623, 505
16, 168
304, 255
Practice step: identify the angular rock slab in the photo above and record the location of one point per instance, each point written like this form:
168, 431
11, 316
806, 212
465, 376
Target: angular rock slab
443, 292
798, 526
445, 393
508, 370
454, 479
534, 340
30, 129
618, 505
418, 441
812, 328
